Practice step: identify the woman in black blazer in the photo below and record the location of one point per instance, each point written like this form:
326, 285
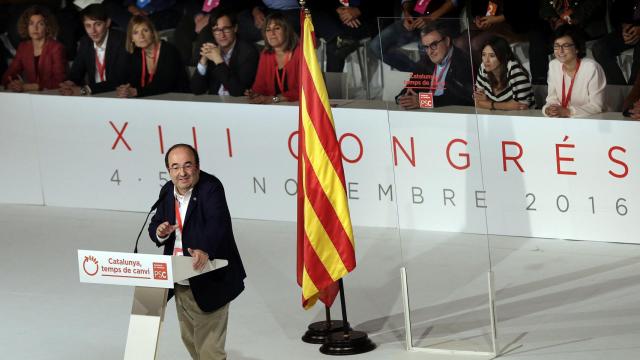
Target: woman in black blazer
156, 66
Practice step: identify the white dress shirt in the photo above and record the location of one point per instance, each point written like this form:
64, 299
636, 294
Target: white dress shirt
100, 52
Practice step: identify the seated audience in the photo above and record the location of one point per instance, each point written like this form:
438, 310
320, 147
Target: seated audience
625, 20
156, 66
227, 65
502, 83
40, 61
387, 46
278, 69
253, 17
101, 58
342, 27
447, 68
164, 14
575, 84
631, 104
587, 15
510, 19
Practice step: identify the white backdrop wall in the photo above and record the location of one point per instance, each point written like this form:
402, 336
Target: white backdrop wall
523, 176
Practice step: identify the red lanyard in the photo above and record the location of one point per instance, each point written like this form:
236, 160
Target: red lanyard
438, 78
566, 97
284, 73
100, 66
178, 250
178, 217
144, 65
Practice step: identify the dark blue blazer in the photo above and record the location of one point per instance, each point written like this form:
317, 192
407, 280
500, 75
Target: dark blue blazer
117, 59
207, 227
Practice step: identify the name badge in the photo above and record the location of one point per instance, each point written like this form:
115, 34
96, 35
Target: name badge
492, 9
210, 5
421, 6
142, 3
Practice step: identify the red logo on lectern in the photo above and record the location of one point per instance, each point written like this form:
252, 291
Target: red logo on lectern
160, 271
90, 265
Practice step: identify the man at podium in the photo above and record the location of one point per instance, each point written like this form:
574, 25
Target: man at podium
192, 219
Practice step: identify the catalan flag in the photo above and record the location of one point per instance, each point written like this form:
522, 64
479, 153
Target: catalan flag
325, 237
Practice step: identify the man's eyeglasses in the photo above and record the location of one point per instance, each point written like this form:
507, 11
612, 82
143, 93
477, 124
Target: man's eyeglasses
186, 167
564, 47
227, 30
434, 45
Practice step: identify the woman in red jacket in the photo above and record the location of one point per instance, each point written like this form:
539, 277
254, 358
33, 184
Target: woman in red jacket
277, 77
40, 61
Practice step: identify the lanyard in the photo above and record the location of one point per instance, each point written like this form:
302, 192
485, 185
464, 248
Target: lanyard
178, 250
438, 78
566, 97
100, 66
144, 65
178, 217
284, 73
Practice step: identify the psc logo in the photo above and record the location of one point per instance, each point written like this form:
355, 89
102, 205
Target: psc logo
425, 100
160, 271
90, 265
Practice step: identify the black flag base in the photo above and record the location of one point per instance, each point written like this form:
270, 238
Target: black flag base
349, 342
318, 332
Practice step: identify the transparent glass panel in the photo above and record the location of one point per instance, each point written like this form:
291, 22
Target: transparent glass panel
560, 202
433, 130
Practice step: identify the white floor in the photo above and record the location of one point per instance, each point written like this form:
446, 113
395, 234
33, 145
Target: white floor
555, 299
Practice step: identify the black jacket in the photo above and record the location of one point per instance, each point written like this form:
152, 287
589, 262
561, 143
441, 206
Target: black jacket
237, 77
117, 59
207, 227
458, 88
170, 75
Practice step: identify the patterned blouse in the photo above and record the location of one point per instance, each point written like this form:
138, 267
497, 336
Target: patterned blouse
518, 85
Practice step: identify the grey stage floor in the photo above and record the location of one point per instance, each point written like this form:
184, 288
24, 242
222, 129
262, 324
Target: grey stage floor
554, 299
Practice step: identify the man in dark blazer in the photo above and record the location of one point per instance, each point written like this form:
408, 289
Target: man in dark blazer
111, 69
227, 64
193, 219
445, 72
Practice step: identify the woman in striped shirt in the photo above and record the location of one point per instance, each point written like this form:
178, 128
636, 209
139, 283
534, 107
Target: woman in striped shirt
502, 83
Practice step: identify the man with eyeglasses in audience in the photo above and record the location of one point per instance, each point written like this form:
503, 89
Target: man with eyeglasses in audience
227, 64
445, 73
101, 58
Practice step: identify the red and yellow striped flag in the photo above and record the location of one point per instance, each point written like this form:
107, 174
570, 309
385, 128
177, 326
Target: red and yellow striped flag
325, 238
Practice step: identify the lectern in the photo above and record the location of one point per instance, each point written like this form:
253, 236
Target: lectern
152, 276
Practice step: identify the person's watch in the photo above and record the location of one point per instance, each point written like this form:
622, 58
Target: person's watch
276, 99
84, 91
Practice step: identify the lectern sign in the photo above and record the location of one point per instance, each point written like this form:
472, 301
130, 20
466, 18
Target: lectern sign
104, 267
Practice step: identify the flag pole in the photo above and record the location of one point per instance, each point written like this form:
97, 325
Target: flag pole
347, 341
318, 332
339, 338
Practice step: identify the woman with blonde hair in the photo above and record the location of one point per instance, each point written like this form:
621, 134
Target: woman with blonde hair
156, 66
277, 78
40, 61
